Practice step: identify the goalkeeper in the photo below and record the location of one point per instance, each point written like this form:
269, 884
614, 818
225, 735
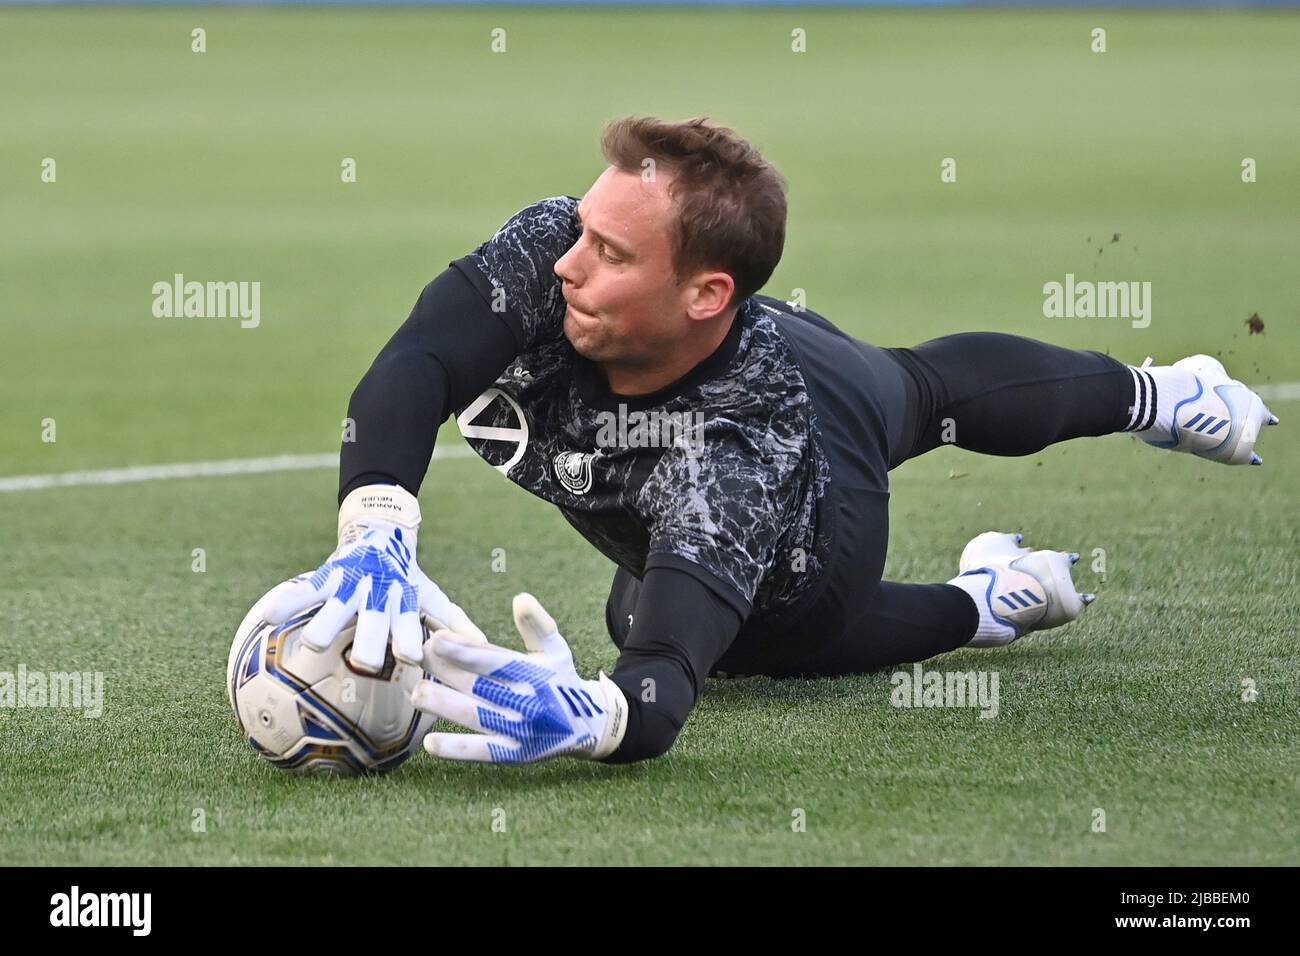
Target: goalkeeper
728, 452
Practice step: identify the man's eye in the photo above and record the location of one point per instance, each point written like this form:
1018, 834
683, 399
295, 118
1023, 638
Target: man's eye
600, 248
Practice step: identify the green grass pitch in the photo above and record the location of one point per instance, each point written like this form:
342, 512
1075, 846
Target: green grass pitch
226, 164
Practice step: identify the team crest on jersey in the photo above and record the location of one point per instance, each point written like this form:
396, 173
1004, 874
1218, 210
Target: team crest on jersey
573, 469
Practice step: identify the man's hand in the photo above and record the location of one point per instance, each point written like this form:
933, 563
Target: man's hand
524, 707
373, 576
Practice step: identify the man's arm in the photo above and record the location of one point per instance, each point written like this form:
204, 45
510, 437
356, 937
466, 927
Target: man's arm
523, 706
680, 628
466, 327
451, 348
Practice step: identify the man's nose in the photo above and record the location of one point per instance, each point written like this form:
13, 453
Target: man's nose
564, 268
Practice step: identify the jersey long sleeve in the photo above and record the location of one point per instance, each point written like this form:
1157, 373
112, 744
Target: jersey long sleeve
449, 350
680, 629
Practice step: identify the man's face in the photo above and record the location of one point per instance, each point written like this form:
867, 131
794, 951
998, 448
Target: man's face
625, 306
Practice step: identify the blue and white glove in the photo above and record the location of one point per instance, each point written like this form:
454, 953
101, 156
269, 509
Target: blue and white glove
372, 576
524, 707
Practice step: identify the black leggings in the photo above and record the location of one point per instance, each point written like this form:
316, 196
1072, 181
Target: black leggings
983, 391
1006, 395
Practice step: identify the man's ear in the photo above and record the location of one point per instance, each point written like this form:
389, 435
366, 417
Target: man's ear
712, 294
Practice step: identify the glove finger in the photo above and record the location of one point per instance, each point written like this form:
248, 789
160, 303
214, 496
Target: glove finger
445, 671
535, 626
408, 634
484, 748
329, 620
435, 603
292, 597
486, 659
459, 622
461, 709
371, 640
433, 600
492, 692
541, 634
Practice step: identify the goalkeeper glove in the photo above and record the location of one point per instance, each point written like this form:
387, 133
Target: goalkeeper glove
372, 576
524, 707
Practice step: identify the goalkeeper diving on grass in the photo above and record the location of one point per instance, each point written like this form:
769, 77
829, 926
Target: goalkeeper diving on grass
727, 451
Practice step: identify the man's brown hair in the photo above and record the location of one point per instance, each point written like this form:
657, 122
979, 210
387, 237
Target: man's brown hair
730, 201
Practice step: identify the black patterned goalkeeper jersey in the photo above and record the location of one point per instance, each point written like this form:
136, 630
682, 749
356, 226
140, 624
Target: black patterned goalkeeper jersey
745, 504
721, 475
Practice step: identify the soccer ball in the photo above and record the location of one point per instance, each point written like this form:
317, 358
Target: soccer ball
309, 711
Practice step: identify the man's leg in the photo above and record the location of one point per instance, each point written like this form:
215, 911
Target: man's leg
901, 623
987, 392
1006, 395
996, 394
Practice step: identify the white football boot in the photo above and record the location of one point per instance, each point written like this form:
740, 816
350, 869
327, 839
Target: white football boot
1205, 412
1017, 590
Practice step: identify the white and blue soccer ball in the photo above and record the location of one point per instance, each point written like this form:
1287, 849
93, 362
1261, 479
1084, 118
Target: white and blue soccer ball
309, 711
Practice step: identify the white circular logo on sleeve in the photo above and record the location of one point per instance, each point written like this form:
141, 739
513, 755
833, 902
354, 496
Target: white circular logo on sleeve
515, 433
